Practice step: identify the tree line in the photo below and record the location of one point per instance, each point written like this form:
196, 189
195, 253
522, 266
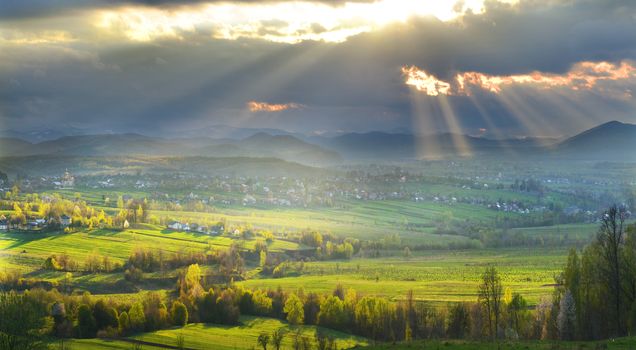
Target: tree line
596, 293
497, 313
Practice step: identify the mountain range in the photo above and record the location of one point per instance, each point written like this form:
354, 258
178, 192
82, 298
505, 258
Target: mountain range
260, 145
607, 141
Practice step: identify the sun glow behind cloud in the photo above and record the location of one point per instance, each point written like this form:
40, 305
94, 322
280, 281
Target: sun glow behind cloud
602, 79
425, 82
255, 106
286, 22
582, 76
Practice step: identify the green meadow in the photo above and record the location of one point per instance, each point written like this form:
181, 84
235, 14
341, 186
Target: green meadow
27, 251
223, 337
435, 276
614, 344
244, 336
413, 221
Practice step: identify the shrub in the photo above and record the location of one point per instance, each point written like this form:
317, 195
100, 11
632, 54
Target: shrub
179, 313
105, 316
124, 323
85, 322
133, 274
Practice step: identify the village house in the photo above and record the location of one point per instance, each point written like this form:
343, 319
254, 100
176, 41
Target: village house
175, 225
32, 225
249, 200
4, 225
68, 180
65, 220
217, 230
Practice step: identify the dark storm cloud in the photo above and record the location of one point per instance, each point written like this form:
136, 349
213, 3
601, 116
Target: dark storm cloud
16, 9
354, 85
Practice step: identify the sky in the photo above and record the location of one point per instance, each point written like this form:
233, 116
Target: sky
546, 68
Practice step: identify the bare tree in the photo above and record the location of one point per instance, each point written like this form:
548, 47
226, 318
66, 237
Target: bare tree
277, 338
611, 239
263, 340
490, 295
411, 315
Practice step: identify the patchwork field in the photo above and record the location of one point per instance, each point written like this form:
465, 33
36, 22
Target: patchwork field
435, 276
27, 251
413, 221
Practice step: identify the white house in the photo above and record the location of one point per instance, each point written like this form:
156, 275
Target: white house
175, 225
4, 225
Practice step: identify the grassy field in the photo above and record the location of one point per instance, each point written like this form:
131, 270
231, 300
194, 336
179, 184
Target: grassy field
583, 232
365, 220
205, 336
98, 344
414, 221
27, 251
210, 336
435, 276
616, 344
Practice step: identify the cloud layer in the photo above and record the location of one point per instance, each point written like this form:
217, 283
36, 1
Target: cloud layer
255, 106
535, 67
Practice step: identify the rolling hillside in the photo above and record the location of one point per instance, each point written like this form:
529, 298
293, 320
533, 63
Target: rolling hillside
247, 166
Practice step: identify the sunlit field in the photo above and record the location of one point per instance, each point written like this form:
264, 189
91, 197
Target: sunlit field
444, 276
435, 277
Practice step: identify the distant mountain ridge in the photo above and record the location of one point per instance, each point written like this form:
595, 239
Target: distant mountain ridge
375, 145
261, 145
607, 141
41, 134
613, 140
